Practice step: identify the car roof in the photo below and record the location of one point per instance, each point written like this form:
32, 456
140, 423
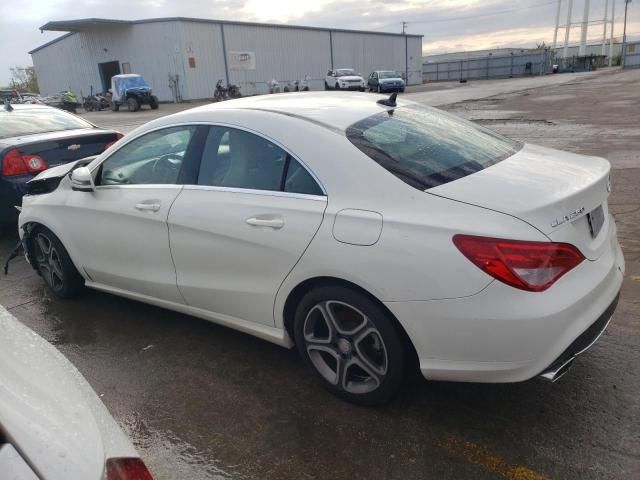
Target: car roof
331, 109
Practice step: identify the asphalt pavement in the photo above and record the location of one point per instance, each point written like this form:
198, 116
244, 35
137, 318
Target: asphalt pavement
205, 402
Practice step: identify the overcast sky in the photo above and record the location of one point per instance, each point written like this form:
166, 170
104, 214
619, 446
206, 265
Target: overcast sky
447, 25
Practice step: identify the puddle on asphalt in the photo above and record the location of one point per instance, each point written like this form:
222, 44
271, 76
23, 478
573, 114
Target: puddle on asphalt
163, 451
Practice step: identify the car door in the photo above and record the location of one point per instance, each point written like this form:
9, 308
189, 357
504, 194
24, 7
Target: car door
239, 231
120, 230
373, 82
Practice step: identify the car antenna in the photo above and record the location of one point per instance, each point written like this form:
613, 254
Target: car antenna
389, 102
7, 105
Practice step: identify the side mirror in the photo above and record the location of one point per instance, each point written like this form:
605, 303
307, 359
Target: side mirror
82, 180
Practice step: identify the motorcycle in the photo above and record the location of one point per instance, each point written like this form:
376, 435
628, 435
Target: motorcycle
96, 102
224, 93
220, 92
298, 85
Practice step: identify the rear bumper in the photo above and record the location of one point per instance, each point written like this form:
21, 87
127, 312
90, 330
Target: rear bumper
391, 89
11, 191
507, 335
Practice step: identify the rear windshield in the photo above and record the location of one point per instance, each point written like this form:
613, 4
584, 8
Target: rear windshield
345, 72
425, 147
37, 120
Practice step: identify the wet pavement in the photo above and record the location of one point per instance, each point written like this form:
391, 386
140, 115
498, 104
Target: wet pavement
204, 402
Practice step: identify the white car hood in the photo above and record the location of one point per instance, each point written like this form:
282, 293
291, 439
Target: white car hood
49, 412
350, 77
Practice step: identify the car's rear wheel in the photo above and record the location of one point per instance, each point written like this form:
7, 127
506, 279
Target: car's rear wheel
132, 104
326, 85
153, 103
350, 344
54, 264
115, 107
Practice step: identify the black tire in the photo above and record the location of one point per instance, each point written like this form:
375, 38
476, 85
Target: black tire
326, 85
368, 349
115, 107
132, 104
153, 103
54, 264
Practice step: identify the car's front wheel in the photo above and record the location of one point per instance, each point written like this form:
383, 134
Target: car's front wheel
54, 264
350, 344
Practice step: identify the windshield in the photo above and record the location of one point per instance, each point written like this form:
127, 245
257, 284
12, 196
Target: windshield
425, 147
345, 72
37, 120
389, 75
124, 83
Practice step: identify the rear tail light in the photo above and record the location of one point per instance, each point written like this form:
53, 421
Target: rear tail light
16, 163
127, 469
118, 137
530, 266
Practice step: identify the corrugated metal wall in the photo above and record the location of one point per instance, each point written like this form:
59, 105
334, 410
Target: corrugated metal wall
203, 42
369, 52
162, 48
281, 53
632, 55
152, 49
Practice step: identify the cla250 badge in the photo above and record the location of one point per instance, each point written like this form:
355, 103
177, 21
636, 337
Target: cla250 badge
567, 218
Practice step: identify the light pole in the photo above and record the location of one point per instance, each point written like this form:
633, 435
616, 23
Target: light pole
624, 32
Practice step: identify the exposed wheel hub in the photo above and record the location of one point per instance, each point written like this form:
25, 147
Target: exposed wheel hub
344, 346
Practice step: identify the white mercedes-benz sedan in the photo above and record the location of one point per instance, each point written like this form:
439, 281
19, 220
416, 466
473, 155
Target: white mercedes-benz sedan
371, 233
53, 426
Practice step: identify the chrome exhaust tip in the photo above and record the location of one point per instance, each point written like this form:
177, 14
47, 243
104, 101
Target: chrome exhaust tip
555, 373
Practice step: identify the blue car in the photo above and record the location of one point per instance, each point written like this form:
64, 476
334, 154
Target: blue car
36, 137
384, 81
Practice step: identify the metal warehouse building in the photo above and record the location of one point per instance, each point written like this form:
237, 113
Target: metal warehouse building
182, 58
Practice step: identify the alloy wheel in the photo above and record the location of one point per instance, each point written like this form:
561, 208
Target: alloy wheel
345, 347
49, 262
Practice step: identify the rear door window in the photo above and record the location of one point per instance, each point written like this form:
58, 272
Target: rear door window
426, 147
235, 158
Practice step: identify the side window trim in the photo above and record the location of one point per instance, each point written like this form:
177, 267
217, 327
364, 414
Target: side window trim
290, 157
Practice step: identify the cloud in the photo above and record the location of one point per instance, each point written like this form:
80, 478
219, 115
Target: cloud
447, 25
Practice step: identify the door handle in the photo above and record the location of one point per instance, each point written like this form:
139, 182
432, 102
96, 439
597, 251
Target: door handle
274, 223
149, 207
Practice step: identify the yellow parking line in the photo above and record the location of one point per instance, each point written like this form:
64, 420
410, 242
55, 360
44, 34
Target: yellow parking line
491, 462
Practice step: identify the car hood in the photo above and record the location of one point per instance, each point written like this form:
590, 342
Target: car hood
391, 80
48, 411
549, 189
351, 77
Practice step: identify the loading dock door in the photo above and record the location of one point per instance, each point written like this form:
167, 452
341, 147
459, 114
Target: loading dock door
108, 70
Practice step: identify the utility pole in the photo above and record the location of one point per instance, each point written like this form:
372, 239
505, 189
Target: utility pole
555, 32
624, 32
583, 33
604, 29
613, 22
567, 31
406, 52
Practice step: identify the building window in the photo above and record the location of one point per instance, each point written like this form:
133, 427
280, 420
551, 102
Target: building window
192, 62
126, 67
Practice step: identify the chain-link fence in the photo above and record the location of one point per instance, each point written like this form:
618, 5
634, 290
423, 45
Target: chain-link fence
513, 65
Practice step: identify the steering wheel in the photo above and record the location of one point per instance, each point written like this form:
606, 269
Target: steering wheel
166, 168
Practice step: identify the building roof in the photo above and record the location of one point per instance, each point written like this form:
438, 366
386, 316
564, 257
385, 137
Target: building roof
85, 24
